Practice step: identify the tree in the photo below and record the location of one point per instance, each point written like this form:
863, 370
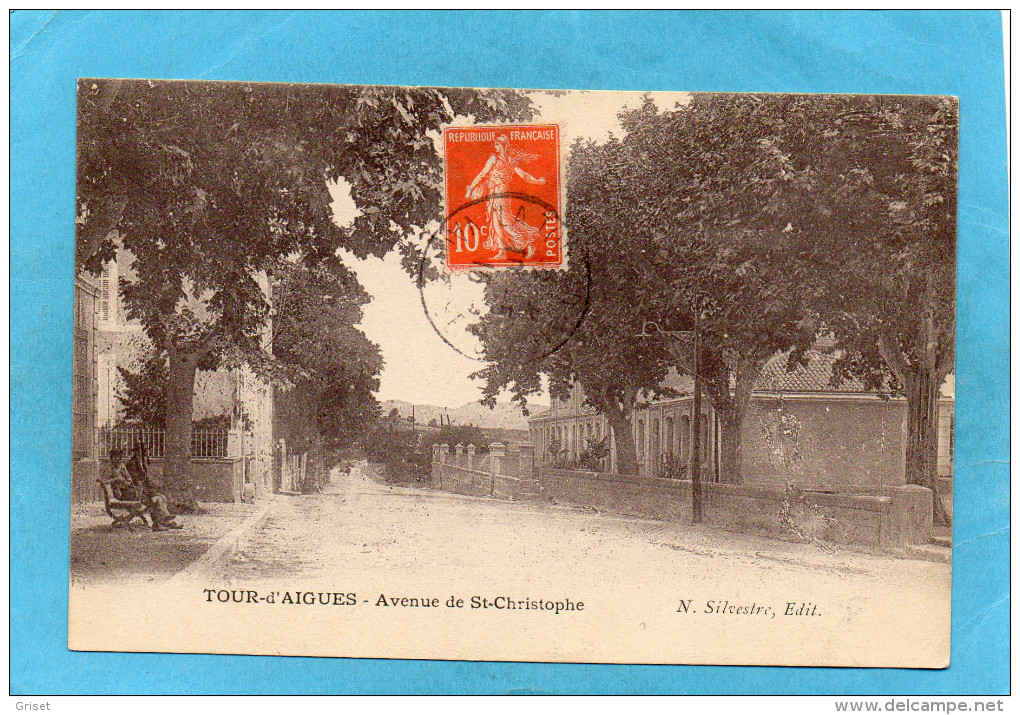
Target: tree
688, 183
594, 456
395, 449
212, 185
329, 367
575, 326
143, 396
459, 434
554, 448
832, 213
885, 224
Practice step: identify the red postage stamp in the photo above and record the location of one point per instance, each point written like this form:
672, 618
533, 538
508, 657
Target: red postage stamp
504, 200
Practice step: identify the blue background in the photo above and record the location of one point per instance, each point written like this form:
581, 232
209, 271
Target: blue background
861, 52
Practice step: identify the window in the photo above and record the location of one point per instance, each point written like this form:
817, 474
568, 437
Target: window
108, 284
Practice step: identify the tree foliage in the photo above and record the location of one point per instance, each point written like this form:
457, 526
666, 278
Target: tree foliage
879, 198
695, 186
453, 435
211, 184
576, 327
829, 213
659, 239
328, 367
142, 393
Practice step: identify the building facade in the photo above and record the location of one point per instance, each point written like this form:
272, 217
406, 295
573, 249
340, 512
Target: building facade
233, 401
84, 391
798, 428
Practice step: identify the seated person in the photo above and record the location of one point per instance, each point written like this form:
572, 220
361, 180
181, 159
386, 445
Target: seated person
151, 491
119, 478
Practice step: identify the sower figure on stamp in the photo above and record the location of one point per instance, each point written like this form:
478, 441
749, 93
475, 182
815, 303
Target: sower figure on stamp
138, 466
505, 229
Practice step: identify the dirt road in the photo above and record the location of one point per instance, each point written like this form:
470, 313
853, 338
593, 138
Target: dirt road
102, 555
368, 570
364, 530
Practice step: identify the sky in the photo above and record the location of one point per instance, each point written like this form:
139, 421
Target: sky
419, 366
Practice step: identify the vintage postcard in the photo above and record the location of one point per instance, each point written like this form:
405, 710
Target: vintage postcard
326, 403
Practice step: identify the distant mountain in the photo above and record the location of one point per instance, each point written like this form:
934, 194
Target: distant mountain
422, 413
502, 416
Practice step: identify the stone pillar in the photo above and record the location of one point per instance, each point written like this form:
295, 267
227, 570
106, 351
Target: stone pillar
471, 449
512, 464
910, 516
434, 467
497, 453
527, 461
444, 459
461, 459
235, 447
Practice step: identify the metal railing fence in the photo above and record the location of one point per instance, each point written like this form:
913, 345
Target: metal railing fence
206, 443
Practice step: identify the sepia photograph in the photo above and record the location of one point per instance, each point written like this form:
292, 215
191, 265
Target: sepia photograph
513, 375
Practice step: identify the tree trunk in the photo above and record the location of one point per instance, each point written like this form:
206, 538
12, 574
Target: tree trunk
731, 455
922, 438
626, 451
921, 384
732, 415
177, 478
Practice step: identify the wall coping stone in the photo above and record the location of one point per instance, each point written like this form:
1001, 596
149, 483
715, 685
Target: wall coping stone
866, 502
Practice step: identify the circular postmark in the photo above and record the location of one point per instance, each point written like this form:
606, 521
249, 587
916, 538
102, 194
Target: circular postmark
549, 305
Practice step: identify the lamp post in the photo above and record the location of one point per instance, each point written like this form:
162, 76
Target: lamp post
648, 329
696, 506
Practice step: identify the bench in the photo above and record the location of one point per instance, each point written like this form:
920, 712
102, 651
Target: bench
122, 512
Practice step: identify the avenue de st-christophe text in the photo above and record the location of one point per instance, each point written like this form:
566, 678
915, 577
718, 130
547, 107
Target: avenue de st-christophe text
329, 598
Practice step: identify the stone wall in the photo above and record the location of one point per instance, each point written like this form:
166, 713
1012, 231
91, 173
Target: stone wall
84, 473
851, 442
821, 438
216, 480
892, 516
502, 473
